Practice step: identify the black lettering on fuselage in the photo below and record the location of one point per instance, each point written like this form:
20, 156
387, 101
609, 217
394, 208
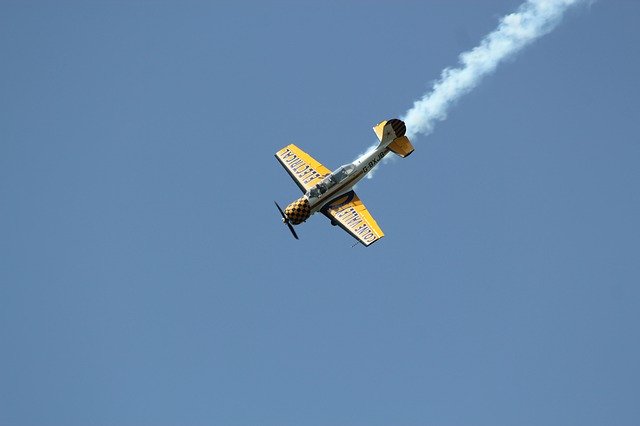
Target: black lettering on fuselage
371, 164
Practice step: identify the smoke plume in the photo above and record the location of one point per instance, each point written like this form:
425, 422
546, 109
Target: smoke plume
533, 19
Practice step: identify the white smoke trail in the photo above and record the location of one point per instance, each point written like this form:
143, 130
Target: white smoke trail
533, 19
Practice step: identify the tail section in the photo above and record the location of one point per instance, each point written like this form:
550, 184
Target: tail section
392, 133
401, 146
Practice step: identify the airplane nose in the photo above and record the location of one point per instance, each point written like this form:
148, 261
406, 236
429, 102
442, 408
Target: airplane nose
298, 211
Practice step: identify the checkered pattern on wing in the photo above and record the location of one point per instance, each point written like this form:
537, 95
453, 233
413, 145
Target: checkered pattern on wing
298, 211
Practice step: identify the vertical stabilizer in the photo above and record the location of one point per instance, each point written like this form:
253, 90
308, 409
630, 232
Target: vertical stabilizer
387, 131
392, 133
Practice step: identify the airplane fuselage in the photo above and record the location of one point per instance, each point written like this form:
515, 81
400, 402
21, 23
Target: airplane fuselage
361, 167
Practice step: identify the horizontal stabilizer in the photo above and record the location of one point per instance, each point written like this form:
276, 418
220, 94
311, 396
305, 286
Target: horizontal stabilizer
401, 146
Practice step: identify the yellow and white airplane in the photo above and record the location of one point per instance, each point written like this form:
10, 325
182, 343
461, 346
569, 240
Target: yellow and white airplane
331, 193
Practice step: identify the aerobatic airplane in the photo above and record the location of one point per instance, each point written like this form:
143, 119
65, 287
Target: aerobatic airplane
331, 193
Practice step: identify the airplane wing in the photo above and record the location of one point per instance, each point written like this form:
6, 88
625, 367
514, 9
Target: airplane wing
350, 214
302, 167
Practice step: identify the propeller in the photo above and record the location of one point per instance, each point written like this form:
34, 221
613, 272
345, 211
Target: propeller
285, 219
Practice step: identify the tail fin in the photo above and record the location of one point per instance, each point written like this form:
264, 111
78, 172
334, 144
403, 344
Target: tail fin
387, 131
392, 132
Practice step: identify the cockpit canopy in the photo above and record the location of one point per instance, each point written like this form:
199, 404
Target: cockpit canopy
343, 171
337, 176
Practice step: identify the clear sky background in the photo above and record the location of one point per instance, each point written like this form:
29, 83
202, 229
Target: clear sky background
146, 278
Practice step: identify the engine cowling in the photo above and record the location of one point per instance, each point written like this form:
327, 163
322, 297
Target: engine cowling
298, 211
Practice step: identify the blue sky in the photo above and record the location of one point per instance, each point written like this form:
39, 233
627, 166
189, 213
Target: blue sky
146, 278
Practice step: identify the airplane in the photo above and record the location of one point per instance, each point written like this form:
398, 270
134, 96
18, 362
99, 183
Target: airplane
331, 193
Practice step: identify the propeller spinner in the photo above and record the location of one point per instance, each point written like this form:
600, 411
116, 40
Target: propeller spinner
285, 220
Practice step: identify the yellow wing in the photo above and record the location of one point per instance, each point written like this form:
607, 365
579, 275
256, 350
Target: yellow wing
350, 214
302, 167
